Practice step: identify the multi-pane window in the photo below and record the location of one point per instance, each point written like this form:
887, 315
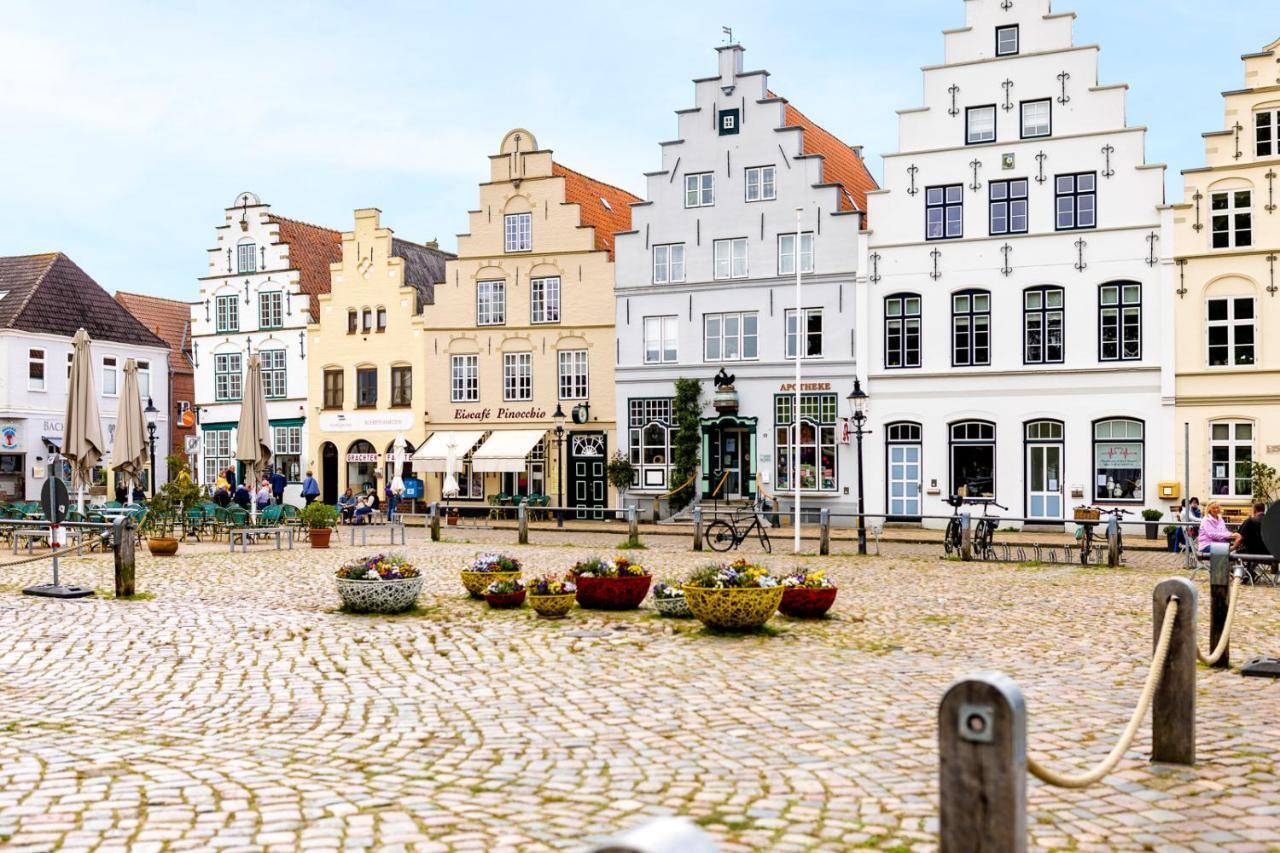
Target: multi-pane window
491, 303
1231, 217
1076, 198
270, 310
1231, 459
519, 232
274, 379
731, 258
1042, 325
730, 337
760, 184
334, 389
353, 321
1266, 124
970, 328
366, 387
902, 330
227, 313
573, 374
1037, 118
246, 258
1120, 321
465, 379
973, 459
668, 263
544, 300
944, 212
1007, 40
35, 369
1117, 460
1008, 206
651, 429
366, 319
517, 376
660, 337
286, 446
401, 386
227, 377
217, 453
815, 447
699, 190
1231, 331
110, 376
144, 379
980, 124
787, 253
811, 333
382, 318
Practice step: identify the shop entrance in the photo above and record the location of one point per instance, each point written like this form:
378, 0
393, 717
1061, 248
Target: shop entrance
329, 473
729, 448
588, 491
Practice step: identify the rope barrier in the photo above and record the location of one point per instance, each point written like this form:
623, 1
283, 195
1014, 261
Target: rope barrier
61, 552
679, 488
1109, 763
761, 489
720, 484
1213, 658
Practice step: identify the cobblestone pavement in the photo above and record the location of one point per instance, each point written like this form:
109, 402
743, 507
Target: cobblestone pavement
237, 709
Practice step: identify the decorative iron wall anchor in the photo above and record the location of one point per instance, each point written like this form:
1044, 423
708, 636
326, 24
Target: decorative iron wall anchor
937, 273
1040, 158
975, 164
875, 267
1107, 151
954, 109
1272, 288
1237, 129
1006, 269
1152, 239
1182, 277
1080, 264
1008, 104
1197, 198
1062, 80
1271, 190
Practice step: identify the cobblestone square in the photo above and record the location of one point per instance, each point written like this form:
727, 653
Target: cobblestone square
237, 709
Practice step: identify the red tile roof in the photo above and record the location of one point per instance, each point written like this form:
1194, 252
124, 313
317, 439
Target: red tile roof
591, 196
168, 318
311, 250
841, 164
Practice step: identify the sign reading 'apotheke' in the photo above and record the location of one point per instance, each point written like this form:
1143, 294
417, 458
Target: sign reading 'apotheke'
504, 414
805, 386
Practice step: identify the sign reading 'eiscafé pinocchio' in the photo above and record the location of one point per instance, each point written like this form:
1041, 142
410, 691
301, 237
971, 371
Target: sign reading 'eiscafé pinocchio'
504, 414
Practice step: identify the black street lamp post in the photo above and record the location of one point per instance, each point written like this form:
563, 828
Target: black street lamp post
151, 412
558, 415
858, 409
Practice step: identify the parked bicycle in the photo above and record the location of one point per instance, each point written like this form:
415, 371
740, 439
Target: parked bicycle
953, 539
984, 534
1087, 518
723, 534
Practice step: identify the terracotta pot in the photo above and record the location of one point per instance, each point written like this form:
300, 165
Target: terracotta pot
804, 602
552, 606
162, 546
451, 520
505, 600
319, 536
621, 593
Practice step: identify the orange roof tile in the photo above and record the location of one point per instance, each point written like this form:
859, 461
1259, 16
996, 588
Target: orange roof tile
841, 164
591, 196
311, 250
170, 319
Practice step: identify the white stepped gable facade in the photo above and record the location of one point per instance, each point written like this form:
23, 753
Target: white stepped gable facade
706, 280
1014, 284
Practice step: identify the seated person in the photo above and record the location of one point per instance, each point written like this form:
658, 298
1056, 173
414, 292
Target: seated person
371, 495
242, 498
364, 509
1214, 529
1251, 532
221, 496
347, 505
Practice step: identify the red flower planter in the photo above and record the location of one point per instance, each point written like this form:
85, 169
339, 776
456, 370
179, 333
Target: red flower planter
805, 602
505, 600
621, 593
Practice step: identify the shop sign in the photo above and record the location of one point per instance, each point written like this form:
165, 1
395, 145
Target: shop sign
362, 457
10, 438
504, 414
805, 386
366, 421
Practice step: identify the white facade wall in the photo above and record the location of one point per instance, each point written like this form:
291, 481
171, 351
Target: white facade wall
1015, 389
764, 291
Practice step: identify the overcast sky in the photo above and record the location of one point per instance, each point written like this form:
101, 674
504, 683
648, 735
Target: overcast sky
126, 128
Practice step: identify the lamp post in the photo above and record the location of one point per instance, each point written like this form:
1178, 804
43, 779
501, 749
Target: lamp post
858, 410
558, 415
151, 412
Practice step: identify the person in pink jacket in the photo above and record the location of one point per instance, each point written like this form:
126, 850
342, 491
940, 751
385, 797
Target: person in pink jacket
1214, 529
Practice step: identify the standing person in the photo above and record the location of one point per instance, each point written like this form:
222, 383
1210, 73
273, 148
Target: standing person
122, 491
1213, 528
310, 488
278, 482
231, 477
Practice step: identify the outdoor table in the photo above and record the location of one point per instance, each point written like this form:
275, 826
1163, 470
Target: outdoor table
392, 526
31, 534
245, 532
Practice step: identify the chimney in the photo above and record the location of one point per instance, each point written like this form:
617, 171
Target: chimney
730, 64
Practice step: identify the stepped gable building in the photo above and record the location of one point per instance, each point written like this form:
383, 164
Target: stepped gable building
1015, 298
522, 327
170, 319
706, 288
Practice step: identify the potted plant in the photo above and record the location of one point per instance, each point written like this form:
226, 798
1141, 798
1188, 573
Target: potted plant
383, 583
739, 596
159, 524
451, 516
1152, 516
807, 595
552, 597
319, 519
486, 569
669, 600
505, 594
621, 474
616, 584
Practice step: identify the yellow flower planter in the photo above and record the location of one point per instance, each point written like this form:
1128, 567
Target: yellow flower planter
477, 582
552, 606
733, 609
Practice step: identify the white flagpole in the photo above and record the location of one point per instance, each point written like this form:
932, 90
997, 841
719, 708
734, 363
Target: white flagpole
795, 411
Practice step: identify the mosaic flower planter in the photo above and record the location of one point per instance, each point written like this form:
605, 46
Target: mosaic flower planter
505, 600
677, 608
369, 596
733, 608
803, 602
620, 593
552, 606
477, 582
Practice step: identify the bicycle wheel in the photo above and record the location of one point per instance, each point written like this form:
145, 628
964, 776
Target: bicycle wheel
951, 539
1086, 546
764, 539
719, 535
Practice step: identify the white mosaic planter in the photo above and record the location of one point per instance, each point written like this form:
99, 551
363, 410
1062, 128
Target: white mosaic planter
369, 596
676, 607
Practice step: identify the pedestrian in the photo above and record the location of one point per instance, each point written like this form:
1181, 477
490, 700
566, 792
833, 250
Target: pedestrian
310, 488
278, 482
122, 491
231, 477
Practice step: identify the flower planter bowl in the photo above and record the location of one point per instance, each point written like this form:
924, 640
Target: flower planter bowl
162, 546
505, 600
477, 582
804, 602
319, 536
552, 606
733, 609
369, 596
621, 593
677, 608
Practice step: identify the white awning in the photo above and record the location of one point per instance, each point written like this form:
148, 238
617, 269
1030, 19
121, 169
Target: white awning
506, 450
434, 452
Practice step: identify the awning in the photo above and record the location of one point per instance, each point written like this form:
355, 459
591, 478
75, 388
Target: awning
434, 452
506, 450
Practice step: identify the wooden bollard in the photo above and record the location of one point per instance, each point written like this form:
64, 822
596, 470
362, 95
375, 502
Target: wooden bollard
1173, 708
824, 532
435, 522
697, 528
123, 541
522, 518
633, 528
982, 765
1219, 599
966, 538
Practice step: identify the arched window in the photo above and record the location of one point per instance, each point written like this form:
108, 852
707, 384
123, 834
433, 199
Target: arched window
973, 459
1042, 325
970, 328
366, 320
902, 330
353, 321
1118, 456
362, 462
382, 318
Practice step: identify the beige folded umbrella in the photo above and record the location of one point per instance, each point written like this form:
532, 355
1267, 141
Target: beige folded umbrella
253, 435
129, 452
82, 444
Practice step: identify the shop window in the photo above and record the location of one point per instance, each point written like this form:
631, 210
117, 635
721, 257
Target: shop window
815, 446
650, 432
362, 463
533, 479
973, 459
217, 453
1118, 451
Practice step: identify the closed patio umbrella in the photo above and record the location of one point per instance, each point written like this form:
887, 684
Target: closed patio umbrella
82, 443
253, 438
397, 464
129, 452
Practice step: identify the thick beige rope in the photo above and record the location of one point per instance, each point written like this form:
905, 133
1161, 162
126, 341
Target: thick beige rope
1109, 763
684, 485
1226, 628
45, 555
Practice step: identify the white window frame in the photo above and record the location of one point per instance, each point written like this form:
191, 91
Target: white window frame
730, 257
668, 263
1040, 129
217, 453
983, 137
787, 253
464, 379
761, 183
745, 345
574, 374
286, 446
1234, 347
228, 377
517, 376
226, 313
491, 303
518, 232
544, 299
1233, 445
789, 317
1271, 132
110, 376
37, 356
247, 250
275, 373
1001, 45
270, 309
144, 379
661, 344
1230, 216
700, 189
652, 460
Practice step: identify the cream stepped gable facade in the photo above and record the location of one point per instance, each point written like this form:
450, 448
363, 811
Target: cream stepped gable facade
367, 377
264, 274
707, 281
1226, 243
1016, 303
523, 324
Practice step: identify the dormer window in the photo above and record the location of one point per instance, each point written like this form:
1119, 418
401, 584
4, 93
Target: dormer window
1007, 40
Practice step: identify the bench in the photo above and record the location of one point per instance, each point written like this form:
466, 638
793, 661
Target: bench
243, 533
31, 535
364, 529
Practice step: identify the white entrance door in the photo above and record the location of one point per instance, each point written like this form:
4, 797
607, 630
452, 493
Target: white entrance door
1044, 481
904, 480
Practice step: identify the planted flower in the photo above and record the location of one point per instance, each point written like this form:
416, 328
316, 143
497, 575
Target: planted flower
739, 574
616, 584
737, 596
552, 596
552, 585
382, 567
808, 580
667, 592
504, 587
505, 593
669, 600
382, 583
495, 563
808, 594
487, 568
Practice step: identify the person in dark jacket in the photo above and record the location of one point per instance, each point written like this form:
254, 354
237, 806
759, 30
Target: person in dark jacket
278, 482
231, 477
122, 491
242, 498
1251, 532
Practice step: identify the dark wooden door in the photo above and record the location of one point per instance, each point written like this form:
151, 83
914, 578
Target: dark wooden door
588, 486
329, 473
